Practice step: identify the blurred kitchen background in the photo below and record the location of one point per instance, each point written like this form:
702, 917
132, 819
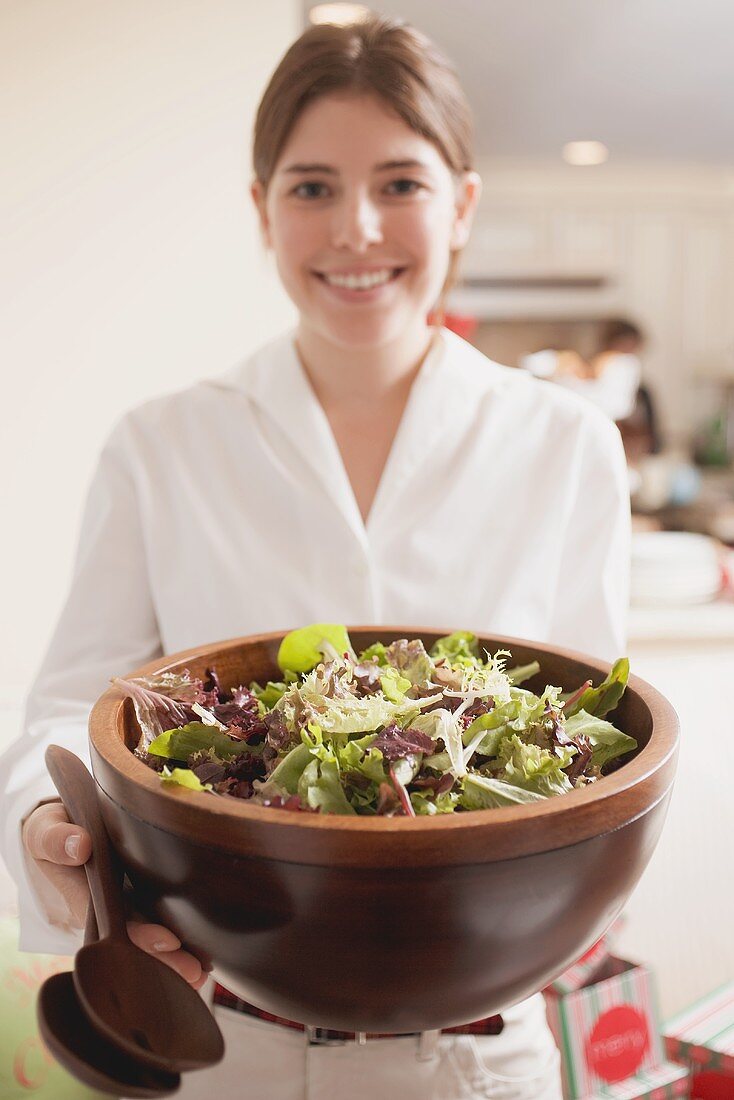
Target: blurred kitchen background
131, 265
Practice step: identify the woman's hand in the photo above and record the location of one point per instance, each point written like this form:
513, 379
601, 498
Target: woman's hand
57, 851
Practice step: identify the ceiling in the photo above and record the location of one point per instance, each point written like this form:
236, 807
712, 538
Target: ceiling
652, 79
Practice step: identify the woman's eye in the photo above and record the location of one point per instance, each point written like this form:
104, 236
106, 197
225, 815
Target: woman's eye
309, 190
404, 187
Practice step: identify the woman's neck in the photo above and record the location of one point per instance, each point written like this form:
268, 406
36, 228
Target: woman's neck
356, 376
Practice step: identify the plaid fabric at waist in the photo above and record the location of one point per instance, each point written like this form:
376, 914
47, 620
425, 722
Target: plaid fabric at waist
492, 1025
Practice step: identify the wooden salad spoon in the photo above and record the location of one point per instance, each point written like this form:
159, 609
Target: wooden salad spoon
83, 1051
142, 1006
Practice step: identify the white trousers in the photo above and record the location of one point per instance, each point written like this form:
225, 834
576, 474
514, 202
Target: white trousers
265, 1061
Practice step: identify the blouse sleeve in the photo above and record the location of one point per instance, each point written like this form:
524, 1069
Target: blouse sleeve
107, 627
592, 595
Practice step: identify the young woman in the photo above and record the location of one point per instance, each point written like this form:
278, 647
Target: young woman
368, 466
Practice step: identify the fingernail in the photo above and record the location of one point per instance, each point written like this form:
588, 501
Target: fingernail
163, 945
71, 846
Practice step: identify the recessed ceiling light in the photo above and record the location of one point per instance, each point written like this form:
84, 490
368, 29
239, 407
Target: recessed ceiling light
340, 14
585, 152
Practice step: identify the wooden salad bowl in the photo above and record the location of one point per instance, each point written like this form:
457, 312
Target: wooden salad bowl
385, 924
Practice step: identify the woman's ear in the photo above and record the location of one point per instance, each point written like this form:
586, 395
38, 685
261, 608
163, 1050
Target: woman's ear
258, 197
468, 191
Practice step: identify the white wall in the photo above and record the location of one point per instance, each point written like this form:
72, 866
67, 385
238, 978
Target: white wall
131, 262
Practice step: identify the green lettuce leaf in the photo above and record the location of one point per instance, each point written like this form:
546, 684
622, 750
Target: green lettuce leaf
518, 714
182, 777
461, 647
600, 700
439, 762
520, 673
320, 784
394, 685
607, 742
300, 651
375, 652
287, 773
357, 756
536, 769
270, 694
180, 743
410, 659
425, 803
480, 792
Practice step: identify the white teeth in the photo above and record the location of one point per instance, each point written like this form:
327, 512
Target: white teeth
360, 282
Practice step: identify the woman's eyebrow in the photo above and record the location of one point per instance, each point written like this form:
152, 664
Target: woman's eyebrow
327, 169
389, 165
324, 168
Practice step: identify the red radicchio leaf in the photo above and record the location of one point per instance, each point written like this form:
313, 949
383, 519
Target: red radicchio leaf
388, 802
402, 795
395, 743
244, 698
439, 784
367, 675
576, 695
581, 759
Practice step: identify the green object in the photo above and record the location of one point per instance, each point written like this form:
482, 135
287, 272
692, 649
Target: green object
289, 770
607, 742
270, 694
536, 769
520, 673
394, 685
27, 1069
600, 700
301, 650
480, 792
320, 784
182, 777
374, 652
181, 743
461, 646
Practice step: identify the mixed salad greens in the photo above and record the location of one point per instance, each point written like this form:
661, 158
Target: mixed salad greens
393, 730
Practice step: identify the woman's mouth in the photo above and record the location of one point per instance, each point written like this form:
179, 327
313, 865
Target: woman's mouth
359, 285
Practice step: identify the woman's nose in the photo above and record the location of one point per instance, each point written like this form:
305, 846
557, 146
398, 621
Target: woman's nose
357, 224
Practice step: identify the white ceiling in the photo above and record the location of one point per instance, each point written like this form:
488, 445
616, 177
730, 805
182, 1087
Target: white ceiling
652, 79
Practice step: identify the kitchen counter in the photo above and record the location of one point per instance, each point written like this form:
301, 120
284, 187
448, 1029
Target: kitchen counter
687, 653
704, 622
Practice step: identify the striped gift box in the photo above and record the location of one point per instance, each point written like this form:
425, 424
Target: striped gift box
579, 974
607, 1031
667, 1080
584, 969
704, 1033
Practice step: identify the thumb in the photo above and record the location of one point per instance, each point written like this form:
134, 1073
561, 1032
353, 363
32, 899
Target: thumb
49, 835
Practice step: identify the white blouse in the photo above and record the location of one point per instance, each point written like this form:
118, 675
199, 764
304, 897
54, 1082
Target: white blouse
225, 509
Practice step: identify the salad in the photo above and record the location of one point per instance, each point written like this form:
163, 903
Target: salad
393, 730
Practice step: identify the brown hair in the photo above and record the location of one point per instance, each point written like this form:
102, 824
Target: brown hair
619, 328
380, 56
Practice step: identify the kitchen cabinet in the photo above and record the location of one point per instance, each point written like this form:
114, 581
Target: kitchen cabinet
661, 244
541, 238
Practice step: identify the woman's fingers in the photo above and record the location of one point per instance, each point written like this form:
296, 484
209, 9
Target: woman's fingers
164, 945
57, 850
48, 834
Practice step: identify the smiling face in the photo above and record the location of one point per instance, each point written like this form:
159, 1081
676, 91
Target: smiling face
362, 214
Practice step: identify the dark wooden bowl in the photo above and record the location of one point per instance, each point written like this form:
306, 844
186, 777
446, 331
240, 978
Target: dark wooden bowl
385, 924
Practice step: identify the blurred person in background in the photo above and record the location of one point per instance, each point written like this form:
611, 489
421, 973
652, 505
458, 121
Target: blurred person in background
611, 379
